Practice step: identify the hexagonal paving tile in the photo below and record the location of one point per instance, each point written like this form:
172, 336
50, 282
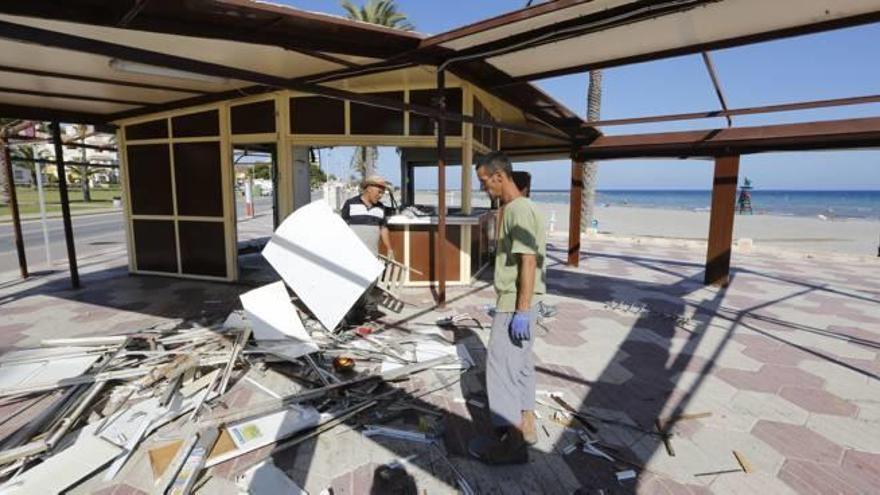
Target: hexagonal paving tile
848, 432
818, 401
798, 442
767, 407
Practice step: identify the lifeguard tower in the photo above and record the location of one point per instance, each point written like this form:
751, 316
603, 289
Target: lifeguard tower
744, 203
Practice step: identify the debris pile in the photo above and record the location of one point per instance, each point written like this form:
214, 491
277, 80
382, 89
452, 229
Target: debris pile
162, 409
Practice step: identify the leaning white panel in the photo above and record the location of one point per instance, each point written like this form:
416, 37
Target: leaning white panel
271, 314
323, 261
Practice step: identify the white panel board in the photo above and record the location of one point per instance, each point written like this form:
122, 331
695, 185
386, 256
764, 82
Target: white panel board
323, 261
271, 314
266, 478
39, 367
252, 434
58, 472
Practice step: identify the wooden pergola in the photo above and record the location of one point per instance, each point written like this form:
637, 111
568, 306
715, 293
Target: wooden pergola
192, 54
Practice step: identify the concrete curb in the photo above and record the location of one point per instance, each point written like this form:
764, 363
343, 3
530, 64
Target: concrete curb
30, 219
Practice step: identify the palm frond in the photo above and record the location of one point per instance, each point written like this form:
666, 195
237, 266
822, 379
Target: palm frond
380, 12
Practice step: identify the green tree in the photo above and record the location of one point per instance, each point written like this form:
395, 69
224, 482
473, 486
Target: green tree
383, 13
5, 180
317, 177
8, 127
24, 156
76, 174
82, 171
262, 171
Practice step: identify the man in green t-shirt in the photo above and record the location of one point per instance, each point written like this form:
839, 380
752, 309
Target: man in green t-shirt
519, 281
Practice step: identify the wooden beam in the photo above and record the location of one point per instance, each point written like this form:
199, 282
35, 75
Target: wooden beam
574, 213
39, 113
68, 96
716, 83
243, 21
721, 220
711, 114
99, 80
825, 135
441, 188
65, 205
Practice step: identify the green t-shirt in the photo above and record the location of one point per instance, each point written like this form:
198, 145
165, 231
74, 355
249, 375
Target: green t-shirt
522, 232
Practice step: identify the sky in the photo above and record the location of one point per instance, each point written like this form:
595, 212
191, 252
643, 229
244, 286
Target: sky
821, 66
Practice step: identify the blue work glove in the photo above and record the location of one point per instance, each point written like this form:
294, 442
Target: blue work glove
519, 326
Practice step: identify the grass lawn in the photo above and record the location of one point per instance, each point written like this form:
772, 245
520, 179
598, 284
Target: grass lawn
28, 202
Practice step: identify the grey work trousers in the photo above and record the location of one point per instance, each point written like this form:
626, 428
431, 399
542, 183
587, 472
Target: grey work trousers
510, 372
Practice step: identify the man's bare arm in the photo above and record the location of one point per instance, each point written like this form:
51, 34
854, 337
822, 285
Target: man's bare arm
386, 240
525, 281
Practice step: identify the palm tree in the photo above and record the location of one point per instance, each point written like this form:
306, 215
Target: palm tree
6, 126
83, 170
24, 157
383, 13
363, 161
591, 168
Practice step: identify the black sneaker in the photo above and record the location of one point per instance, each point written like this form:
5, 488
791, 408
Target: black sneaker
509, 449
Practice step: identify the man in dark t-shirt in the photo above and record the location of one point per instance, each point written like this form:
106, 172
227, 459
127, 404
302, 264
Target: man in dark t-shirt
368, 218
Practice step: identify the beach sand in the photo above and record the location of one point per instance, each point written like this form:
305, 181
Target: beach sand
801, 234
774, 232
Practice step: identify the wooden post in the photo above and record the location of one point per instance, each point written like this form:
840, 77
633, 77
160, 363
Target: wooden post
574, 214
441, 188
721, 220
16, 218
65, 205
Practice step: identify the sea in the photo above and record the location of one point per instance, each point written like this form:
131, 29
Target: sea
828, 204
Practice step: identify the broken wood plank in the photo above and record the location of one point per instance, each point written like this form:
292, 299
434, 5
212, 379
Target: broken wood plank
194, 464
161, 457
263, 408
743, 462
574, 412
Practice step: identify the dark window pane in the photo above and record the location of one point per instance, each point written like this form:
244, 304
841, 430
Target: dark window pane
154, 129
196, 124
198, 180
154, 247
421, 125
202, 248
370, 120
253, 118
317, 115
453, 105
479, 113
149, 176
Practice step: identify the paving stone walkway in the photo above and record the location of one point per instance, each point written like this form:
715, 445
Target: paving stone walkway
786, 360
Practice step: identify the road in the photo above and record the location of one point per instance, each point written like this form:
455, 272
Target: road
92, 234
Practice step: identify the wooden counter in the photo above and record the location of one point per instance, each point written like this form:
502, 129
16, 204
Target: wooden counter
468, 249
